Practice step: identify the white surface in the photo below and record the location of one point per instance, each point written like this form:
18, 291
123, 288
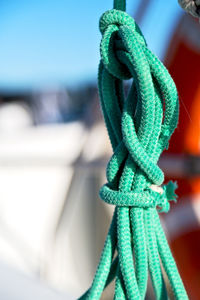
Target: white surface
52, 223
30, 202
35, 174
14, 117
16, 286
53, 144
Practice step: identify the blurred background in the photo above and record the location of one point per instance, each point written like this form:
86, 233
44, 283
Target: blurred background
54, 147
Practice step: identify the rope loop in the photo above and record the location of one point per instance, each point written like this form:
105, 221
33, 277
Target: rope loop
110, 24
140, 122
149, 198
115, 17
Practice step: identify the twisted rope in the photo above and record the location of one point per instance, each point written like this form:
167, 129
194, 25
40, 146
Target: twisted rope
191, 6
139, 126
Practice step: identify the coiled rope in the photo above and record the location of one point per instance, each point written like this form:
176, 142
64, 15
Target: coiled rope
139, 126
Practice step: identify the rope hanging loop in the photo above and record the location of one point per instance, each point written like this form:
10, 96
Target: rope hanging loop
110, 24
140, 123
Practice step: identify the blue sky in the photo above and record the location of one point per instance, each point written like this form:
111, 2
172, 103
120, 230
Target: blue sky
58, 41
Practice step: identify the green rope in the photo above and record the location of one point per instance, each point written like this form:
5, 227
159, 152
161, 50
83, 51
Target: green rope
139, 126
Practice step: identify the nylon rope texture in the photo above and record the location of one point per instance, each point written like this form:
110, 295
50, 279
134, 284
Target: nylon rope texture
139, 126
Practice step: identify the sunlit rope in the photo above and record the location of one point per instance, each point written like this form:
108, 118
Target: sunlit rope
139, 126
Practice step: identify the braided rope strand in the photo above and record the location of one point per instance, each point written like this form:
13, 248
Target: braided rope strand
139, 126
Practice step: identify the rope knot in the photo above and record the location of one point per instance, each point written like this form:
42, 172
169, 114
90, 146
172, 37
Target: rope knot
115, 17
152, 197
139, 121
110, 25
